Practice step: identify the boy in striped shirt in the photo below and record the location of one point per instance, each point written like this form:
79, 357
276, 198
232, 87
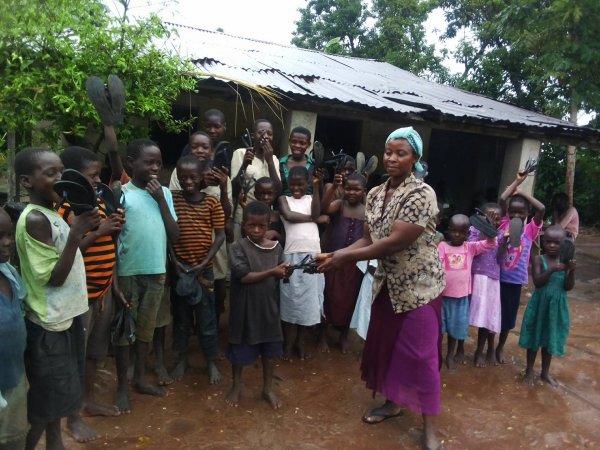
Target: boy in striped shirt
193, 301
99, 256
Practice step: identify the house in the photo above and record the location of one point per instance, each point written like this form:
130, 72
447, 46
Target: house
474, 145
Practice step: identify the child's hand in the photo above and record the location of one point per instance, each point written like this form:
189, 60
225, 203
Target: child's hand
281, 271
242, 200
272, 235
154, 188
558, 267
85, 222
220, 176
493, 217
117, 293
112, 225
338, 179
571, 265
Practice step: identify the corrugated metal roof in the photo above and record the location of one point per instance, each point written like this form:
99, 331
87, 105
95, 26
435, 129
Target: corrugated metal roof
366, 82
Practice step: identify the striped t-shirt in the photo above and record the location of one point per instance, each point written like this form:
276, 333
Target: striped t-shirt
196, 223
99, 258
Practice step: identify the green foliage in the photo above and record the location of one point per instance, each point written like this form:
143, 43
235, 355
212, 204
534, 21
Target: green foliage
550, 180
397, 33
48, 49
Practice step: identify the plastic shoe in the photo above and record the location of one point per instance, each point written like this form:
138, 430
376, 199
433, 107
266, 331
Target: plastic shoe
318, 154
515, 229
371, 165
360, 162
481, 223
98, 95
116, 91
76, 195
567, 251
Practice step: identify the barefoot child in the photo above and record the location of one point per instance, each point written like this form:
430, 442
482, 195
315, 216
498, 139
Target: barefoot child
342, 286
457, 257
514, 258
254, 322
99, 256
151, 221
302, 296
13, 339
546, 319
485, 298
199, 216
265, 192
54, 274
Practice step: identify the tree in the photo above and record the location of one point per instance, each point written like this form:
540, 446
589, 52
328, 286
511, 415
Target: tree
535, 53
337, 26
49, 48
397, 33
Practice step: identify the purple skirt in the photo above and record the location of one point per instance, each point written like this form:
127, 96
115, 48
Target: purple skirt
402, 355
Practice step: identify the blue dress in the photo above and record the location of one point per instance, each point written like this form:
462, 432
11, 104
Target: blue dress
546, 319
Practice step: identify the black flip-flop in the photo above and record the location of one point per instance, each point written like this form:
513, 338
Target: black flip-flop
77, 177
116, 91
383, 417
108, 197
98, 96
515, 228
318, 154
76, 195
360, 162
566, 251
482, 224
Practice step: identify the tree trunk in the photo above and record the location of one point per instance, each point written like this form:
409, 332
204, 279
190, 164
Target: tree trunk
11, 178
571, 156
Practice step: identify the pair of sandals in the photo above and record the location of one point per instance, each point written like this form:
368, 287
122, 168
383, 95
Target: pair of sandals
75, 189
109, 99
338, 160
366, 167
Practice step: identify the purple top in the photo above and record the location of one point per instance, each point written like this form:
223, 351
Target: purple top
345, 231
485, 263
515, 264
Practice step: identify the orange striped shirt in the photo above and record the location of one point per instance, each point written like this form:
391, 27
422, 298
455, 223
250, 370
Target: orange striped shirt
196, 223
99, 258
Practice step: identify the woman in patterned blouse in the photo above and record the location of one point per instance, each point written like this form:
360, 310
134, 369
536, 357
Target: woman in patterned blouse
401, 358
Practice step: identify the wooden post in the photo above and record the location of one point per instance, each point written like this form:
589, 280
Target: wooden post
571, 157
11, 178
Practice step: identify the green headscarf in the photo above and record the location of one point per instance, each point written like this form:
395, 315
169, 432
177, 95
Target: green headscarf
414, 139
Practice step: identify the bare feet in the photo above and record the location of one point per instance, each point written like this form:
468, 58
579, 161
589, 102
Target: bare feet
233, 397
479, 360
450, 363
163, 376
272, 399
322, 345
529, 378
459, 358
287, 353
122, 400
214, 376
96, 409
302, 354
81, 432
500, 356
179, 370
343, 343
148, 389
547, 378
490, 358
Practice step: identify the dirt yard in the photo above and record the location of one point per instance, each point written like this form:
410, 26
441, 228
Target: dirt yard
324, 399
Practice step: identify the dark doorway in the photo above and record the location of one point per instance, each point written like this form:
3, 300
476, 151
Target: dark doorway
337, 134
171, 144
465, 168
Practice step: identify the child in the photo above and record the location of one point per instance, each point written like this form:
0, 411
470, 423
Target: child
254, 323
302, 296
199, 216
99, 256
342, 286
546, 319
265, 192
457, 257
215, 126
218, 184
151, 221
299, 143
54, 274
13, 338
485, 296
514, 259
250, 164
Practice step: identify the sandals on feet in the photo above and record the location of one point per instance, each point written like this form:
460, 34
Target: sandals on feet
373, 418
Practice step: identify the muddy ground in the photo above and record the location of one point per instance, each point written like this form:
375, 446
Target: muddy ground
324, 399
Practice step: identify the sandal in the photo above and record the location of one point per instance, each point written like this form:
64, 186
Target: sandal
482, 223
371, 165
372, 418
116, 91
97, 94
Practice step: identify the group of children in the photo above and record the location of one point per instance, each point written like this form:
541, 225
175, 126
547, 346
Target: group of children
484, 277
159, 252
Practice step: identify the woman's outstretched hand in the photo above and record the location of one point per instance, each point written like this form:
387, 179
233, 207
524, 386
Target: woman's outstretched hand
329, 261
